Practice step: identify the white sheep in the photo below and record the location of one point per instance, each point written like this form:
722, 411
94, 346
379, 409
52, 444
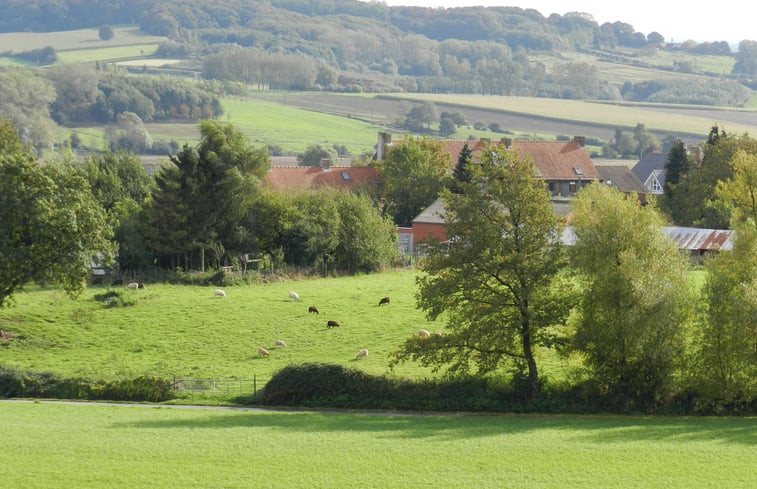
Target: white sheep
423, 333
437, 335
263, 352
132, 286
219, 293
281, 343
362, 354
294, 295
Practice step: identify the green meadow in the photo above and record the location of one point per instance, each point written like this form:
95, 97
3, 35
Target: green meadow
94, 446
294, 129
106, 53
186, 331
80, 39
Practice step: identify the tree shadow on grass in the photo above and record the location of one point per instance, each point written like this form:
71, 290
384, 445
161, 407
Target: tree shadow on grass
598, 429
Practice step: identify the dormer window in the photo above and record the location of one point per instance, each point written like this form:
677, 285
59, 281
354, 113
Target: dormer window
345, 176
578, 171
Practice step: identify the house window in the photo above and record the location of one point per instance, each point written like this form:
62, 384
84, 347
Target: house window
572, 188
345, 176
578, 171
656, 187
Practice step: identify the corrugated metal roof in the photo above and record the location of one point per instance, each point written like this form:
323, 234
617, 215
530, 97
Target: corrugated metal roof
691, 239
701, 239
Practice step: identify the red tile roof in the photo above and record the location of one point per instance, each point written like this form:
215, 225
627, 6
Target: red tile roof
553, 160
294, 178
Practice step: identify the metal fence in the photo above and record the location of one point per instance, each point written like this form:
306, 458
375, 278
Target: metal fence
224, 387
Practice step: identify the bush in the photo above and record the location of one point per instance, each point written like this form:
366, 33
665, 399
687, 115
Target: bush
17, 383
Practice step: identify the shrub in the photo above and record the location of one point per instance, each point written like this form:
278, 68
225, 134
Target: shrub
17, 383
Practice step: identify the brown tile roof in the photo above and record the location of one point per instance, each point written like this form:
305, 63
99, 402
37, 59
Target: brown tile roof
294, 178
553, 160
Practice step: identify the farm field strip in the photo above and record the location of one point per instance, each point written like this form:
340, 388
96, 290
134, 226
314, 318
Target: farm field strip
77, 39
607, 114
117, 446
106, 53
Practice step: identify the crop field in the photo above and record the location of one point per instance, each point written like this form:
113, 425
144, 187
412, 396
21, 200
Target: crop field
106, 53
606, 114
77, 40
94, 446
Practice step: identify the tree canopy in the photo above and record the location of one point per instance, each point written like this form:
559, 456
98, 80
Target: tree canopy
636, 299
51, 227
495, 281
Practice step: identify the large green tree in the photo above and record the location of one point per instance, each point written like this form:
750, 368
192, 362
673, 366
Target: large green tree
495, 281
636, 301
414, 172
694, 197
728, 343
51, 227
201, 199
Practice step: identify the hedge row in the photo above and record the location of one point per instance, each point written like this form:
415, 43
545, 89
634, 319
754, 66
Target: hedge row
335, 386
16, 383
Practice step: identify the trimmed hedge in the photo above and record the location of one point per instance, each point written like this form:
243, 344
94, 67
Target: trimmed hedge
336, 386
16, 383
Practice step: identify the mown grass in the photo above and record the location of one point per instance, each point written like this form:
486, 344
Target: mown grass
294, 129
106, 53
90, 446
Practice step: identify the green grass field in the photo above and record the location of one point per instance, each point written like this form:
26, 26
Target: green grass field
81, 39
184, 331
294, 129
93, 446
106, 53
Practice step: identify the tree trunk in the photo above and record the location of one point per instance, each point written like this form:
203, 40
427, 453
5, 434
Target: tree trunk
202, 258
533, 373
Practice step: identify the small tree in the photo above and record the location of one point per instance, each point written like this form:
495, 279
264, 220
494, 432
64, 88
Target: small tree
495, 280
314, 153
414, 173
462, 172
447, 127
106, 32
636, 299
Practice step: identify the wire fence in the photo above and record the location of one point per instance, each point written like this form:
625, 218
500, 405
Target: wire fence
224, 387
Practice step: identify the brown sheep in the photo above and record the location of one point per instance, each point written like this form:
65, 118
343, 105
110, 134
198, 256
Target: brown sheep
384, 300
312, 310
332, 324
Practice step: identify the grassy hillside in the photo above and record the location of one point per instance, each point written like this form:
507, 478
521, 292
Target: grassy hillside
111, 446
186, 331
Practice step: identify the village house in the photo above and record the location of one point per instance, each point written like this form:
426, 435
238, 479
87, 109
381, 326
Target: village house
565, 168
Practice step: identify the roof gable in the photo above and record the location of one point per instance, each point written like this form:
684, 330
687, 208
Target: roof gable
296, 178
553, 160
622, 178
649, 163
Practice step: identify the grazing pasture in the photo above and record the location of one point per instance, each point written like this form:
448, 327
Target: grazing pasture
106, 53
187, 331
92, 446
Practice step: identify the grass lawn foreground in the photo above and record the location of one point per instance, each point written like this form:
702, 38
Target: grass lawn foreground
93, 446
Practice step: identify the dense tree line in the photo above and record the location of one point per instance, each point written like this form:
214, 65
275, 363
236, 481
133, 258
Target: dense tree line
38, 100
462, 50
647, 339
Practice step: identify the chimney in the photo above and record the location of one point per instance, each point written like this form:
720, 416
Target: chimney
580, 140
325, 164
507, 142
695, 154
384, 139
